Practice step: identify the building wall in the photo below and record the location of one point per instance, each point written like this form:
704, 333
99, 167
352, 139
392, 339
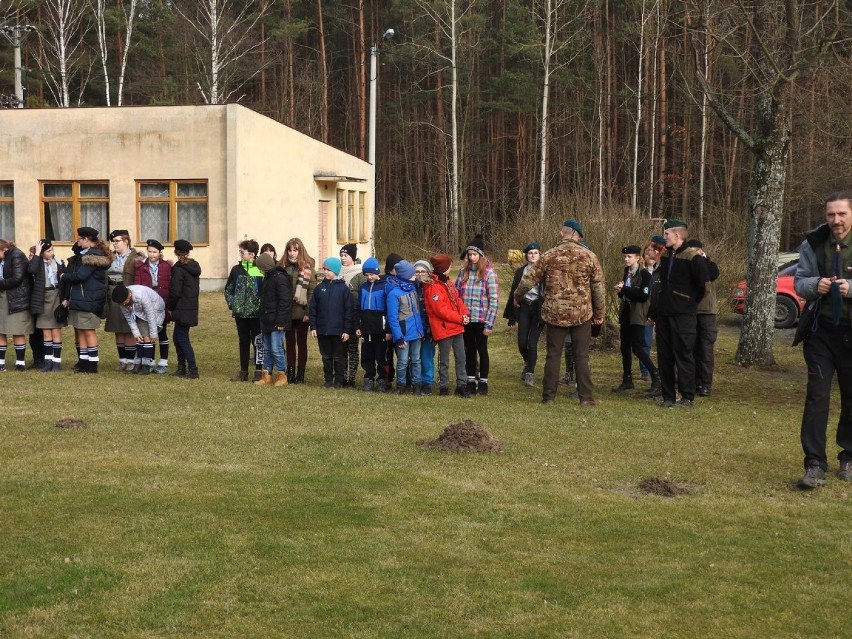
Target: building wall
260, 173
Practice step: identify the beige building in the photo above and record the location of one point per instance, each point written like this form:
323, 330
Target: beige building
213, 175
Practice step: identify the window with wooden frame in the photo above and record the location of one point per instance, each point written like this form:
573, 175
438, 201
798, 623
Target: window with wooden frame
66, 206
351, 216
172, 210
7, 211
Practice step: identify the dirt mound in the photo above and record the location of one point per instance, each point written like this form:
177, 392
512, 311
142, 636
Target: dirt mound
464, 437
68, 422
663, 486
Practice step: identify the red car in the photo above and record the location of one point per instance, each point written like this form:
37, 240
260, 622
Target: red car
788, 305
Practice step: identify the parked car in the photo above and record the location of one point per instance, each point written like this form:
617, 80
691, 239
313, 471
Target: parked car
788, 305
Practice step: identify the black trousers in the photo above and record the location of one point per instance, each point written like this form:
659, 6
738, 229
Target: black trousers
476, 348
828, 351
529, 330
373, 355
333, 352
248, 328
676, 354
705, 342
633, 343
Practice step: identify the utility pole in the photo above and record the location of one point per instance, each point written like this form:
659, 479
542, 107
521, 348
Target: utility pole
371, 148
16, 35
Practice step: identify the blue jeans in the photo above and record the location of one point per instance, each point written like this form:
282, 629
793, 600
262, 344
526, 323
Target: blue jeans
646, 346
427, 361
412, 352
183, 346
274, 354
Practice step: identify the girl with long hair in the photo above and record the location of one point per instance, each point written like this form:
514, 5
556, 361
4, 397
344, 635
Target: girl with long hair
299, 265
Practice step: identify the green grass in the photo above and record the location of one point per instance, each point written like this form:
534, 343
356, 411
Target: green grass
219, 509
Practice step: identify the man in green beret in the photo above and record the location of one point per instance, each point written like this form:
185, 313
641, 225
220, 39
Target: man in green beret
683, 276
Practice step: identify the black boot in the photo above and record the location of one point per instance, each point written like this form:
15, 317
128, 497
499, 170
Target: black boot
300, 376
181, 370
93, 367
82, 366
656, 384
242, 376
626, 384
471, 388
192, 373
291, 374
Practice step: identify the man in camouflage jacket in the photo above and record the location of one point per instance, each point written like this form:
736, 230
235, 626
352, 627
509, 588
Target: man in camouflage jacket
572, 284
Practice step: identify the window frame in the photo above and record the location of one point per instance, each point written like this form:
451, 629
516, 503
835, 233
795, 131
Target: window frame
76, 200
9, 200
172, 200
351, 216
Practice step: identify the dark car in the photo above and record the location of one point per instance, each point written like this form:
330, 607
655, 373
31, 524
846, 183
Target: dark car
788, 305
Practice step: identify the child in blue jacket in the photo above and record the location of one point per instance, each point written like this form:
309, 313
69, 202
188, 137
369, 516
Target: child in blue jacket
331, 320
406, 324
370, 323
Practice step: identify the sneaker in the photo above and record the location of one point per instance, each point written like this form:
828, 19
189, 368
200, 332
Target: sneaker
444, 391
845, 472
814, 477
160, 370
2, 368
703, 391
20, 367
528, 379
681, 403
482, 389
369, 385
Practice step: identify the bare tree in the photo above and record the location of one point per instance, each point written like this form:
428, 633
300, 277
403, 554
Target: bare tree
789, 40
61, 55
100, 11
226, 27
558, 23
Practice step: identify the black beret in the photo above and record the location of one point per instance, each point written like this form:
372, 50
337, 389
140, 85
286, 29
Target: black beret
155, 244
118, 233
46, 245
632, 250
183, 245
87, 231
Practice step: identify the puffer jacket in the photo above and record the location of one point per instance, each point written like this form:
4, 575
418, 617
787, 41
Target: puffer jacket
84, 284
444, 308
184, 288
36, 269
404, 317
276, 299
371, 308
330, 310
573, 282
16, 281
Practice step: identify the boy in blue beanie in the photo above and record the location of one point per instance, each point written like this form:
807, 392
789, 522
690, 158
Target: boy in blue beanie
370, 323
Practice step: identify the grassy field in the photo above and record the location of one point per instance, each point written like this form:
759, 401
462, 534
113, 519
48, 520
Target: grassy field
220, 509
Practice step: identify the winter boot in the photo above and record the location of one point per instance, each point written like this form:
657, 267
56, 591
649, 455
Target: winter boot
82, 366
626, 384
93, 367
56, 367
265, 378
181, 370
369, 385
381, 385
258, 374
425, 389
280, 379
656, 384
482, 389
300, 376
471, 389
463, 389
192, 373
291, 374
242, 376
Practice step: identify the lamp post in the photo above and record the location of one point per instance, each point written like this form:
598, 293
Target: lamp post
16, 35
374, 61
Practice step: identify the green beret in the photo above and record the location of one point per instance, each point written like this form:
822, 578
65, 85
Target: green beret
673, 224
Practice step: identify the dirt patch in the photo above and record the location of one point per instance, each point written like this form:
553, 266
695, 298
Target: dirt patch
68, 422
464, 437
664, 487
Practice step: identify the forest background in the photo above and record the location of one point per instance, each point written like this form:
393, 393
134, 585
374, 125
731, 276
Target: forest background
505, 116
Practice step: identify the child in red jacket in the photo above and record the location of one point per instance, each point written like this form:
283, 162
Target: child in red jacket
447, 318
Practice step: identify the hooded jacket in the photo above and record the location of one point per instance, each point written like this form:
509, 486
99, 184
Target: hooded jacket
36, 269
330, 310
444, 308
16, 281
242, 290
276, 299
371, 307
84, 284
404, 317
184, 288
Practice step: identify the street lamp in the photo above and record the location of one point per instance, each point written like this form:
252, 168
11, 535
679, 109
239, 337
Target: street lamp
374, 59
16, 35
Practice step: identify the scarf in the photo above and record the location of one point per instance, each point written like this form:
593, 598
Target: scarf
300, 296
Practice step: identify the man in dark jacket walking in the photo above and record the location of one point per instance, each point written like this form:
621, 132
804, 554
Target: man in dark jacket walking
683, 276
184, 288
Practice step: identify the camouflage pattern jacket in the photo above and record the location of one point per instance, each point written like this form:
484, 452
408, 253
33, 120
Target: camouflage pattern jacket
573, 285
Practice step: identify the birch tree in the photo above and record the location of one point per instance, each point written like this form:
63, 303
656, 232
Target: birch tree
789, 40
100, 12
226, 27
558, 23
61, 55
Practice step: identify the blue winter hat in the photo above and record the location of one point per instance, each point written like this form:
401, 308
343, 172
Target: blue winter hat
574, 224
658, 239
404, 270
371, 265
333, 264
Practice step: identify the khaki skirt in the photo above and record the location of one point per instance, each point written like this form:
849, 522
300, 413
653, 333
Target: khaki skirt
14, 323
51, 302
84, 320
115, 321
